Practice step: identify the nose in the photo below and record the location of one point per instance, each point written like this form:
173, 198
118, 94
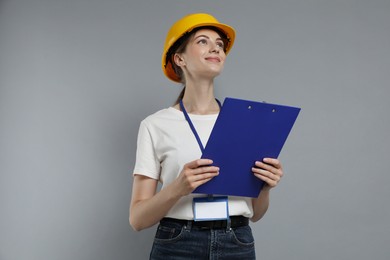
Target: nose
214, 48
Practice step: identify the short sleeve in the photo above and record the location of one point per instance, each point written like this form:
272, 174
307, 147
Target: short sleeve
146, 162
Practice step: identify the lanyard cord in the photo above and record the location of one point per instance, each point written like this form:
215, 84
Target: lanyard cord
192, 125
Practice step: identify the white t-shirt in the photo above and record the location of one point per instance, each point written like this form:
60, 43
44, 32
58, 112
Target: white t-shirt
165, 144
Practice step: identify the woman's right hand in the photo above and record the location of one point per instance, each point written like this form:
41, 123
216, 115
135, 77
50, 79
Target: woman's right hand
148, 207
194, 174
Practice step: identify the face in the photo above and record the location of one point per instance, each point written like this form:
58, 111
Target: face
204, 55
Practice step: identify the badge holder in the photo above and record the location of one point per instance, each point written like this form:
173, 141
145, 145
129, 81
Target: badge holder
211, 208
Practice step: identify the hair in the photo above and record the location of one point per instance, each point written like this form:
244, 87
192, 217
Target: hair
180, 46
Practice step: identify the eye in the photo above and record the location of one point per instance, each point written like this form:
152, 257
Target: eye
221, 45
202, 41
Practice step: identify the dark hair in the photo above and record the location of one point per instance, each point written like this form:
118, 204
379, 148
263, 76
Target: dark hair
180, 46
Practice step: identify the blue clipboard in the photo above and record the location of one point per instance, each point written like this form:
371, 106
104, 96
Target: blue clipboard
244, 132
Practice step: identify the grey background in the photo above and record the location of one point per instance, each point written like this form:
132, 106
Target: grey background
76, 78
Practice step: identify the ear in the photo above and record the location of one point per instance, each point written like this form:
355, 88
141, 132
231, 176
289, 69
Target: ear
178, 59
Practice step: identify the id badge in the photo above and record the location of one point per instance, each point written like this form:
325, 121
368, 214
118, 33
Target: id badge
210, 208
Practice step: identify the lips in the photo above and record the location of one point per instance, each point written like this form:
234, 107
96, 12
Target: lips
213, 59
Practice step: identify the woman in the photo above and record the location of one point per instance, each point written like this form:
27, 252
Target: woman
194, 54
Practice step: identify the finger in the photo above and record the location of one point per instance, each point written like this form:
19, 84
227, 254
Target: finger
205, 176
270, 182
202, 181
266, 174
275, 162
206, 169
198, 163
270, 167
265, 166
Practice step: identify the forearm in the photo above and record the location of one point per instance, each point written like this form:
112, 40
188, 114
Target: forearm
148, 212
260, 204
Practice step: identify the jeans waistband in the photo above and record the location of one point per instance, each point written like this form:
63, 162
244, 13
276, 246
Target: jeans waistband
235, 221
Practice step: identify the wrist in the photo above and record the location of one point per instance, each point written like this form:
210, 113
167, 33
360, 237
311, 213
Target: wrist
266, 188
175, 189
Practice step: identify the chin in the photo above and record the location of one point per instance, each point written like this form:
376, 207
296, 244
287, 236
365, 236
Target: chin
210, 73
215, 71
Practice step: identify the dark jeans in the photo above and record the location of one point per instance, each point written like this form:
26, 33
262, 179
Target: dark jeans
183, 242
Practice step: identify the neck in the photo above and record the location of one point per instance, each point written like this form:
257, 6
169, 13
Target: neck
199, 98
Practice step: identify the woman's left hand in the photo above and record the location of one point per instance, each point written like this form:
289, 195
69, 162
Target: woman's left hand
270, 171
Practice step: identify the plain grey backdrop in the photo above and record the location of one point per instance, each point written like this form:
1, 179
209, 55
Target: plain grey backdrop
78, 76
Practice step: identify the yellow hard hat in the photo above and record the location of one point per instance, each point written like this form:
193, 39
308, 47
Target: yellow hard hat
186, 25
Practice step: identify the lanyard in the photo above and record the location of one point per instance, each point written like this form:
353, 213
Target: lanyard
192, 125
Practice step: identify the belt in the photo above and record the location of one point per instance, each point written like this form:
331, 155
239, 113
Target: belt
235, 221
